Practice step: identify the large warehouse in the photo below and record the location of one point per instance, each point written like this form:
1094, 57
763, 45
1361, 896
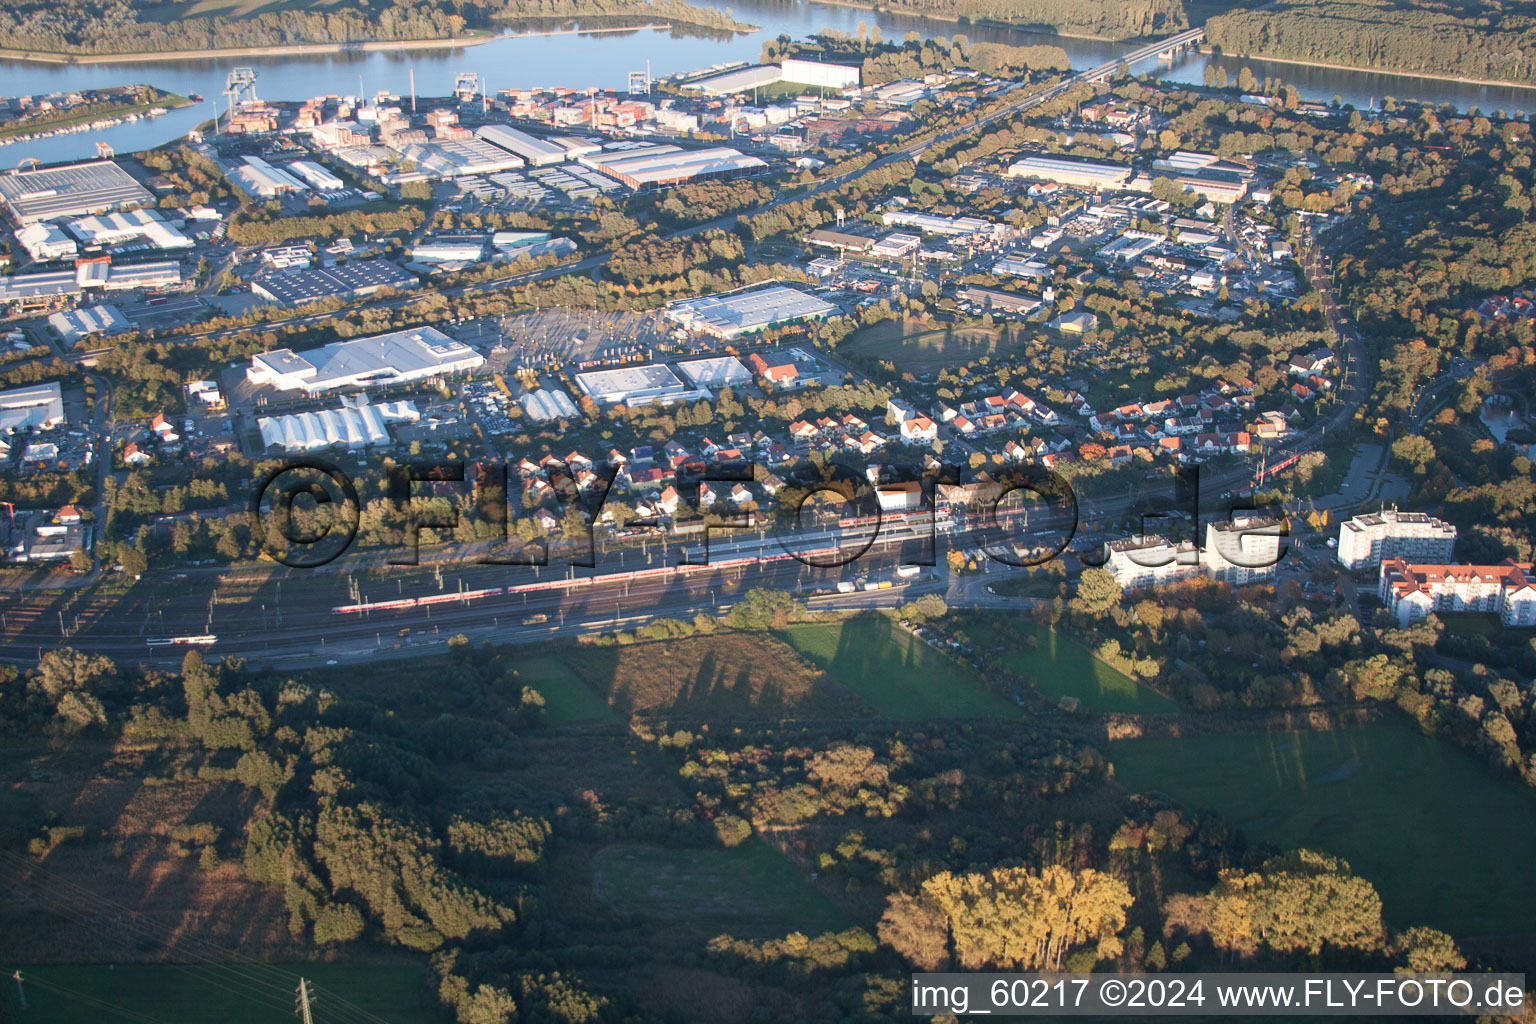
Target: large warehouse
80, 323
260, 178
1081, 173
655, 166
815, 72
297, 286
549, 404
538, 152
73, 191
121, 228
637, 385
460, 158
40, 406
394, 358
740, 80
729, 316
720, 372
350, 426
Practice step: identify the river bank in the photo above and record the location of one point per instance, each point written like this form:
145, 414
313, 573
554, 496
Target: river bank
985, 23
293, 50
1458, 79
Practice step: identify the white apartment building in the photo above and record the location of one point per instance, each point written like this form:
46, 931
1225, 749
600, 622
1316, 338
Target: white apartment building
1369, 540
1244, 549
1150, 561
1412, 591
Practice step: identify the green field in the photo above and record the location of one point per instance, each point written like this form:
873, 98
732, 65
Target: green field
568, 700
922, 351
216, 995
750, 891
1445, 843
895, 672
1061, 667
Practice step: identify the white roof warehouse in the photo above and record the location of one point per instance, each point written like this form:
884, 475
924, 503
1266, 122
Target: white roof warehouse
655, 166
729, 316
394, 358
73, 191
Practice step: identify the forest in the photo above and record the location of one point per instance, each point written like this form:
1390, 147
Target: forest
1106, 19
1489, 41
122, 26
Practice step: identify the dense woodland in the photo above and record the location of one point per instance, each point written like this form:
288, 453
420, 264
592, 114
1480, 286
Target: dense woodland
1491, 40
122, 26
1105, 18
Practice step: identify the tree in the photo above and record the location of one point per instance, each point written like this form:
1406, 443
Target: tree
80, 560
132, 560
1426, 951
1097, 592
1414, 450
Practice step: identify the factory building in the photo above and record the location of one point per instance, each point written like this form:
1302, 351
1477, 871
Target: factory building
814, 72
1002, 302
721, 372
741, 80
537, 152
260, 178
40, 407
318, 177
1079, 173
298, 286
73, 191
120, 228
74, 325
457, 158
398, 357
732, 315
45, 242
651, 167
637, 385
1368, 540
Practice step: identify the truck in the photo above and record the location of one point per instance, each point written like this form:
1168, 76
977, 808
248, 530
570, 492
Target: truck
846, 587
871, 586
909, 572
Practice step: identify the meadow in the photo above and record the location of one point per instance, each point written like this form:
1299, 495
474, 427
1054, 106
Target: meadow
1059, 666
895, 672
212, 994
1445, 842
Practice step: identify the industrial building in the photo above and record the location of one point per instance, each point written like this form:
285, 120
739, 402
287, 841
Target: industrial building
39, 407
352, 426
316, 176
1012, 266
260, 178
1368, 540
457, 158
654, 166
73, 191
1080, 173
298, 286
45, 242
1002, 302
732, 315
120, 228
537, 152
637, 385
82, 323
549, 404
449, 249
25, 288
815, 72
741, 80
394, 358
717, 373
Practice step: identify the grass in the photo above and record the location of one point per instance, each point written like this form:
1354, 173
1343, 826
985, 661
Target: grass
748, 892
898, 674
925, 351
568, 700
1059, 666
212, 995
1445, 843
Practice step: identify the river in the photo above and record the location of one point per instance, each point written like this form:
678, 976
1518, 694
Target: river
603, 60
